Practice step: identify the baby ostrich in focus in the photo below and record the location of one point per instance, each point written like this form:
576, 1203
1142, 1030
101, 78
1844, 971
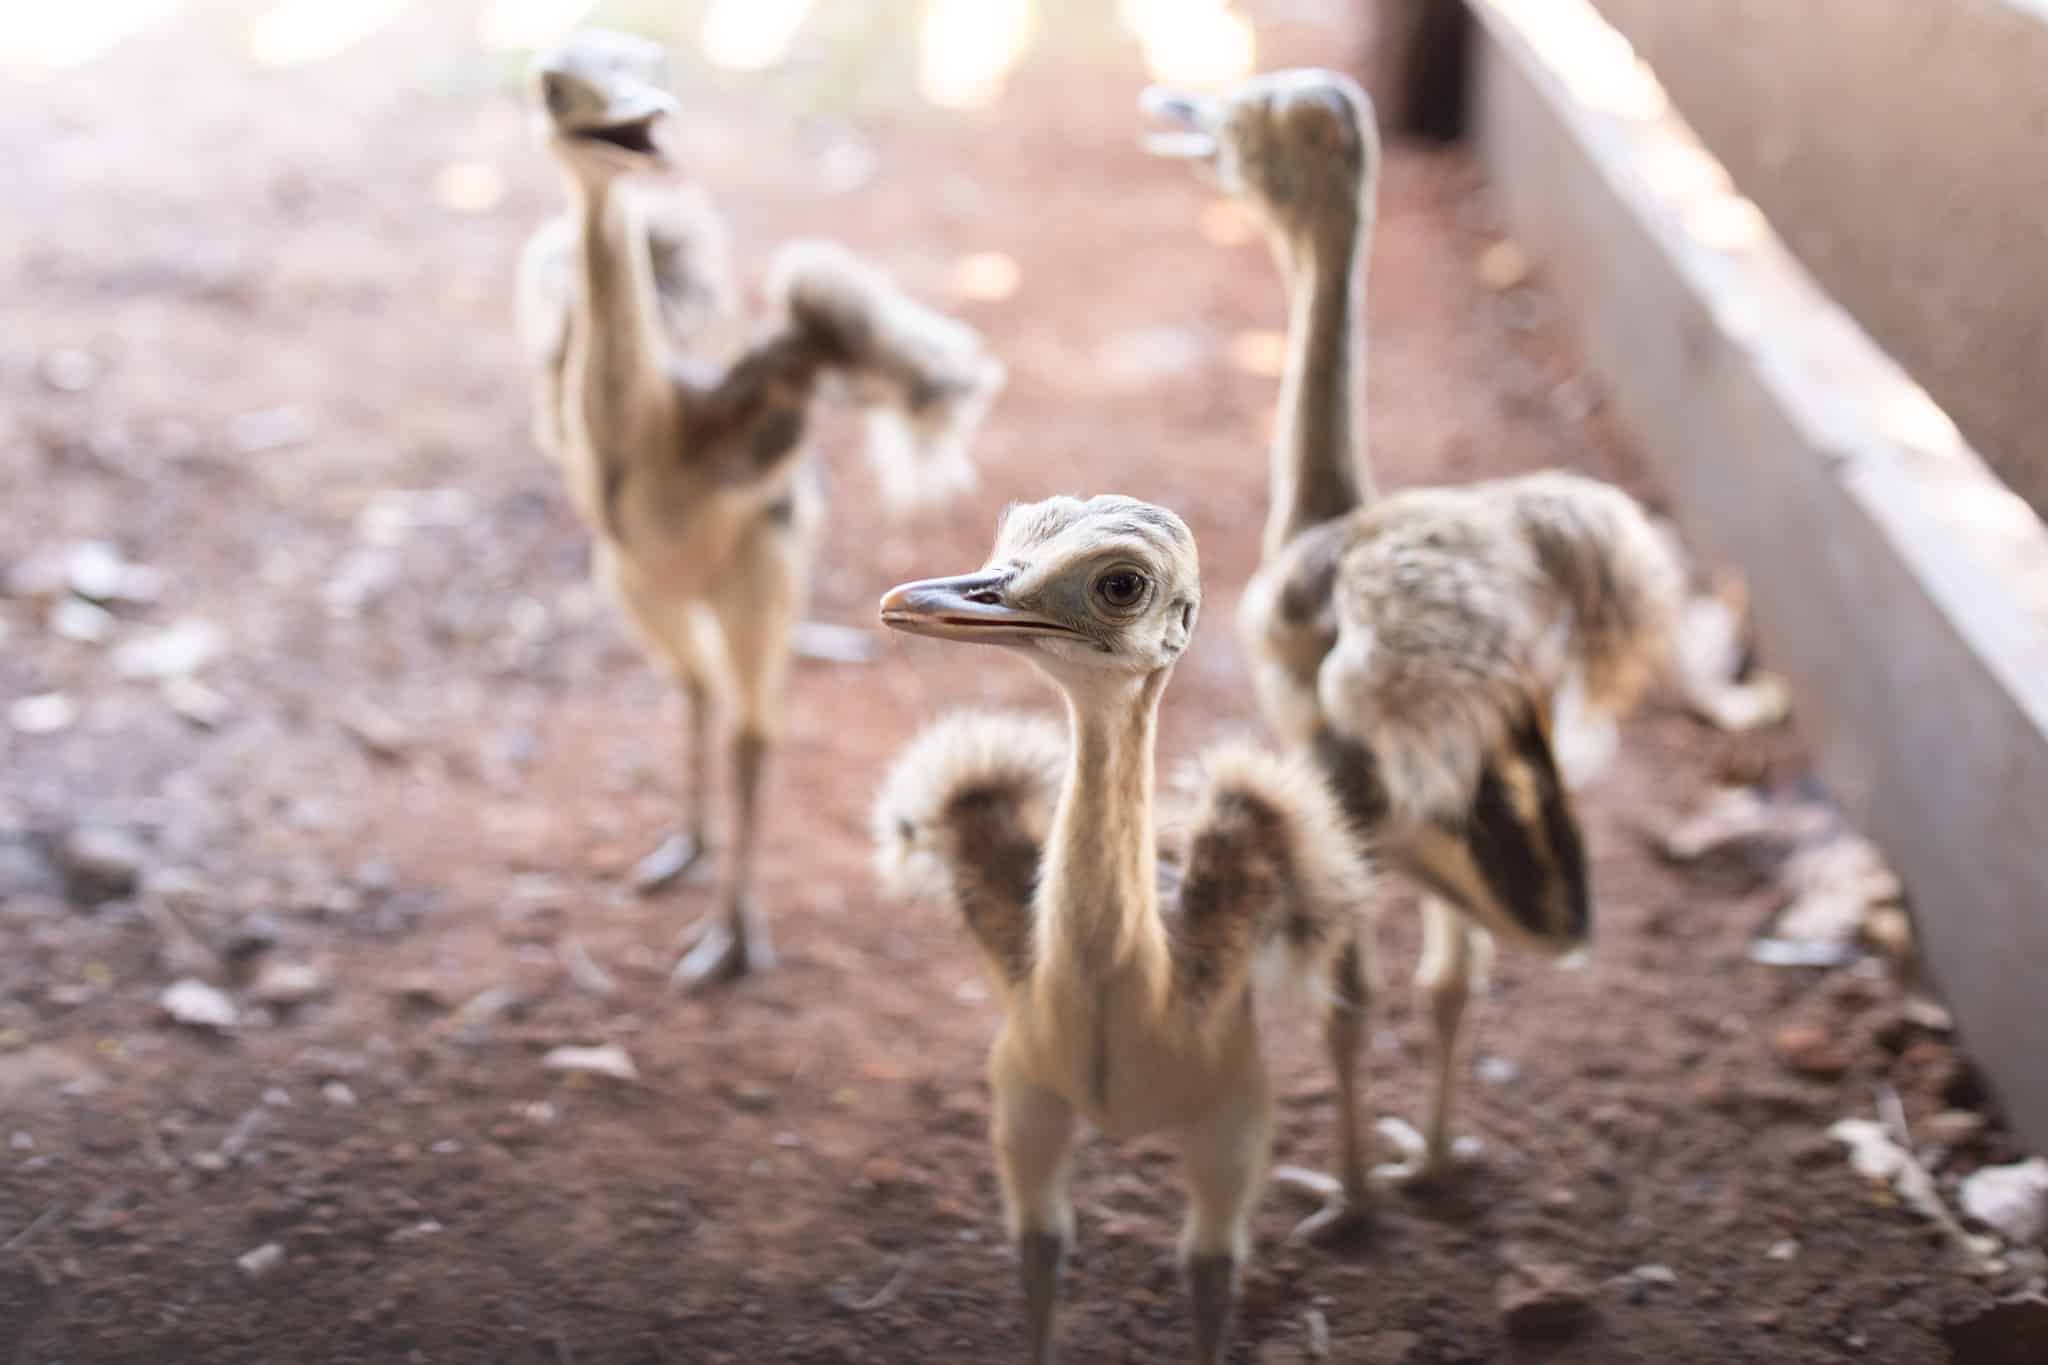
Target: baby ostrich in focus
1420, 645
1126, 984
688, 473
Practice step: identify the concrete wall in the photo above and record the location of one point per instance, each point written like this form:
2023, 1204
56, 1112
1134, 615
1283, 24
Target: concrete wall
1899, 586
1901, 149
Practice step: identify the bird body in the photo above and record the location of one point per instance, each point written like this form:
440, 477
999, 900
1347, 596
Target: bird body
1126, 978
686, 466
1420, 645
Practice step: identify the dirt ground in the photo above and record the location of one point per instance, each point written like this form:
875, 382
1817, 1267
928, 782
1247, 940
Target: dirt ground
430, 757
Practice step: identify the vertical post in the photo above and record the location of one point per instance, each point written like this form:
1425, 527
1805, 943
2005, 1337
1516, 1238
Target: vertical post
1415, 65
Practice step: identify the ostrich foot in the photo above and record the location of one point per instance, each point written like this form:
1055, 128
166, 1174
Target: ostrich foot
1422, 1163
727, 948
674, 856
1343, 1212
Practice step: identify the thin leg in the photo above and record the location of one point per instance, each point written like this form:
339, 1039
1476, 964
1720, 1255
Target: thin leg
756, 608
681, 850
1347, 1199
737, 942
1443, 983
667, 631
1033, 1133
1212, 1287
1226, 1158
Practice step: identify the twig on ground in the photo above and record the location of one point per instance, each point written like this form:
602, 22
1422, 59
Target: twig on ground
583, 969
35, 1225
881, 1296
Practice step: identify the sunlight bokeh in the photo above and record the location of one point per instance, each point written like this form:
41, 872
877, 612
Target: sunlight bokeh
751, 35
469, 187
1226, 222
987, 276
966, 48
296, 32
520, 24
1727, 222
64, 35
1198, 44
1596, 60
1261, 351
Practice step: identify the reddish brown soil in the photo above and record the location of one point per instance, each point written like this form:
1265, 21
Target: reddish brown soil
800, 1142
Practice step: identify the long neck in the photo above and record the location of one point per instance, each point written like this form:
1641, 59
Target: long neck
1100, 892
1319, 471
617, 359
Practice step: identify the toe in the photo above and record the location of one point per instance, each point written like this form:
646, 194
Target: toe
1315, 1184
665, 864
1338, 1222
719, 956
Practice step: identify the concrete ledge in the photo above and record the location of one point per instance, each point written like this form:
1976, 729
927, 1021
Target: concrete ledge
1900, 586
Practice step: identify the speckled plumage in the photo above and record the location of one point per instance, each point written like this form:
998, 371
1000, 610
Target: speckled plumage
1262, 862
1126, 976
1427, 624
684, 457
1421, 645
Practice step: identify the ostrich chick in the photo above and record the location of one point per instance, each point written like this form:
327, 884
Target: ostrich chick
689, 473
1126, 984
1420, 645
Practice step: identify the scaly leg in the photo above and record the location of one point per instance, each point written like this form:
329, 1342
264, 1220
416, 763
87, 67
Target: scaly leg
667, 631
737, 942
756, 608
1346, 1196
1033, 1133
681, 850
1226, 1156
1443, 982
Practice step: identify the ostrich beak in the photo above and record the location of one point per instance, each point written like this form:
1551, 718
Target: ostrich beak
967, 607
1194, 120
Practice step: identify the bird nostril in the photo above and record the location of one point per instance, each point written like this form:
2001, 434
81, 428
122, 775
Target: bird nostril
986, 598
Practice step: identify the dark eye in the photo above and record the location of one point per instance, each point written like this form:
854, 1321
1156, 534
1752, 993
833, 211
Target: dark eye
555, 92
1120, 589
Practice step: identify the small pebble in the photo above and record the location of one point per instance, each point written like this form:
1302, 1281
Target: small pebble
70, 371
175, 651
261, 1261
287, 984
100, 864
338, 1094
82, 622
1543, 1301
267, 429
44, 714
1497, 1070
1808, 1050
94, 570
1503, 265
2010, 1200
192, 700
608, 1060
197, 1005
254, 934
